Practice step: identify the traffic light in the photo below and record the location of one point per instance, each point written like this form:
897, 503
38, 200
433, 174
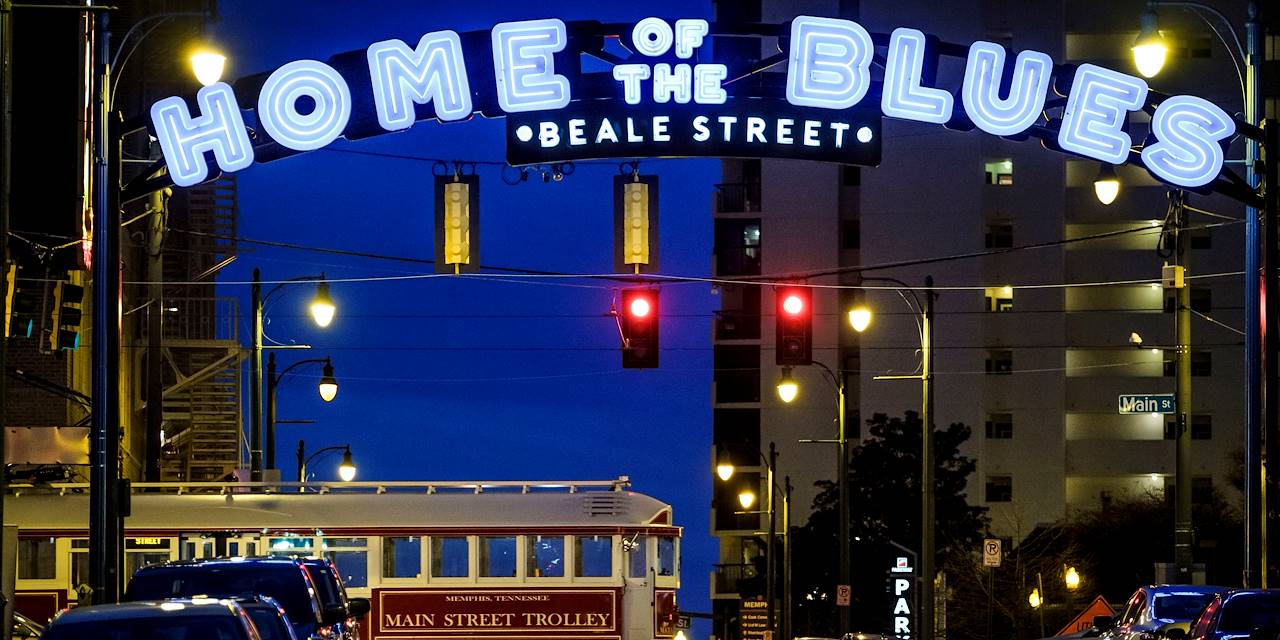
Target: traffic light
638, 322
794, 321
67, 312
22, 305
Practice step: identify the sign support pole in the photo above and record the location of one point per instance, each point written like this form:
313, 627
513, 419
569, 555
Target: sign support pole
1182, 525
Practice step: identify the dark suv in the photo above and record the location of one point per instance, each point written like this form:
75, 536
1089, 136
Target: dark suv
284, 579
334, 600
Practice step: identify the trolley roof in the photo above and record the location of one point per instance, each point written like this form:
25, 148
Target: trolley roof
353, 507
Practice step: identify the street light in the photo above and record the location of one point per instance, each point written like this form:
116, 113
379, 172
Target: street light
322, 311
747, 497
328, 390
927, 482
346, 470
1149, 59
1149, 50
1107, 185
1072, 578
208, 66
787, 387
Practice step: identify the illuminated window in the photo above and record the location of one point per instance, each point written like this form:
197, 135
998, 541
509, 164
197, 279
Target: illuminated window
593, 556
999, 236
999, 488
498, 556
999, 298
1000, 426
999, 361
545, 557
36, 559
999, 171
449, 557
402, 557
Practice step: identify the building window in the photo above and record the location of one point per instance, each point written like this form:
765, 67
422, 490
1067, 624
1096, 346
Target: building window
999, 171
1000, 426
1201, 363
999, 236
593, 556
449, 557
546, 557
1202, 427
402, 557
1202, 490
666, 556
1201, 300
999, 488
999, 361
737, 372
737, 247
498, 556
850, 234
999, 298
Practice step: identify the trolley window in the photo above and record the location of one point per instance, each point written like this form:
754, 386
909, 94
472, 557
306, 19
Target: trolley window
666, 556
593, 556
546, 557
449, 557
402, 557
498, 556
36, 559
351, 557
638, 550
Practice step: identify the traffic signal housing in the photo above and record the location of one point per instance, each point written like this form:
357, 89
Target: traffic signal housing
638, 323
67, 313
793, 343
22, 306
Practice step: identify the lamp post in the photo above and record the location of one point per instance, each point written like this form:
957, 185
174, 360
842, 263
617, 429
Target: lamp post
725, 470
1149, 53
1070, 577
860, 319
328, 390
346, 470
787, 391
322, 311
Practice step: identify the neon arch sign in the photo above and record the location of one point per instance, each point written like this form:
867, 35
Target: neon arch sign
666, 98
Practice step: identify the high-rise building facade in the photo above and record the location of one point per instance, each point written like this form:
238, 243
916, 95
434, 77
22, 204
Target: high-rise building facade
1034, 315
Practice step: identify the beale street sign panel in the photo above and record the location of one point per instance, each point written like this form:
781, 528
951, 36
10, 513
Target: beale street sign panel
496, 613
821, 97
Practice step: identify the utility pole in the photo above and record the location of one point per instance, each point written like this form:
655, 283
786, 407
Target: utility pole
928, 572
1269, 553
1183, 533
157, 222
6, 133
771, 569
255, 383
1253, 573
786, 558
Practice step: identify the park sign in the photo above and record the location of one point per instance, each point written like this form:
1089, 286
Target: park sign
668, 97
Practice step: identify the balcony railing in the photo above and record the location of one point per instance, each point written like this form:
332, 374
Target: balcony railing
738, 197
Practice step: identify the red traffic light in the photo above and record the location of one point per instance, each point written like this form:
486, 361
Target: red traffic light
793, 304
640, 307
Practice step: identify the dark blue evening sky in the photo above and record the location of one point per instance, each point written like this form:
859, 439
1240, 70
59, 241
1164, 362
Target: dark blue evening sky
466, 379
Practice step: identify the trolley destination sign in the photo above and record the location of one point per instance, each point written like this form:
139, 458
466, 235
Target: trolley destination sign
668, 97
418, 612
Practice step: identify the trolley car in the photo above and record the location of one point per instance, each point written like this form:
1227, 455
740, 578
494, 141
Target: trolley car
476, 560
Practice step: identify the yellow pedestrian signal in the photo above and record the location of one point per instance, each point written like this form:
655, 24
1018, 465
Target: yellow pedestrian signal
635, 220
457, 223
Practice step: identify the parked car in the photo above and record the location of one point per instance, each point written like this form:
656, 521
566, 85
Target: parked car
1155, 609
1236, 614
193, 619
334, 600
284, 579
25, 628
268, 617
